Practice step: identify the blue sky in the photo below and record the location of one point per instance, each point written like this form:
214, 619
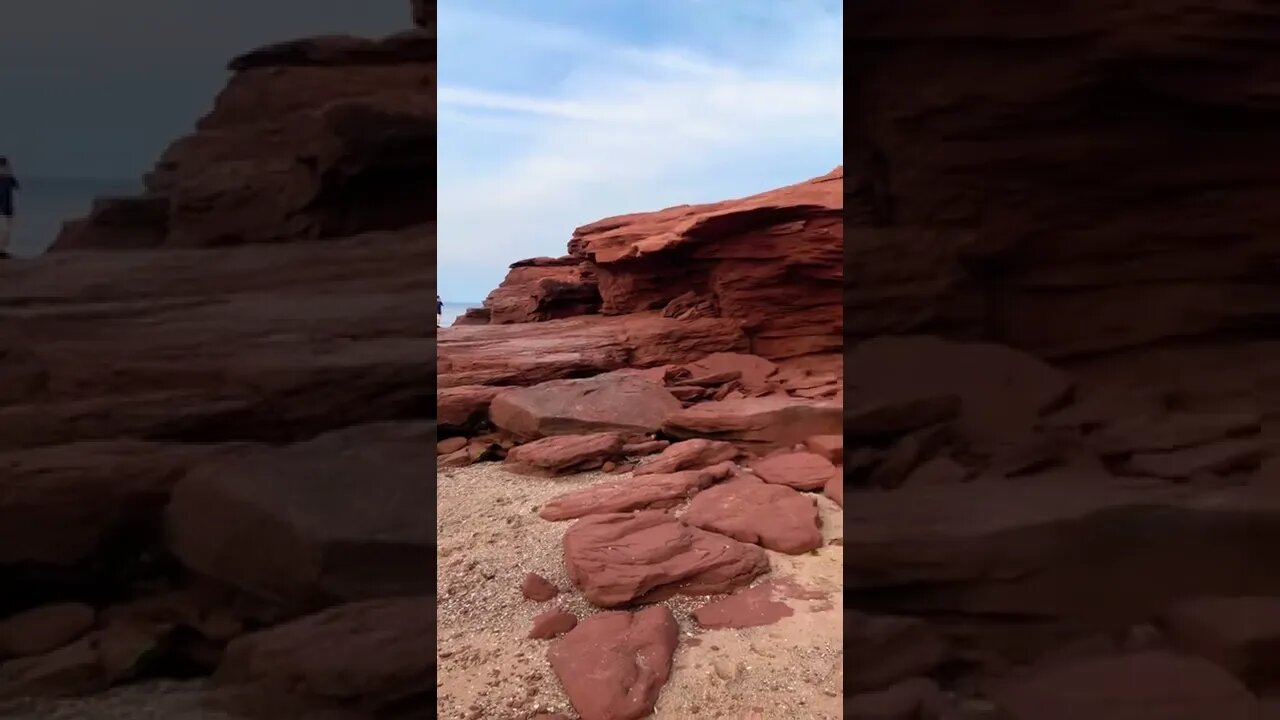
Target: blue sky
555, 114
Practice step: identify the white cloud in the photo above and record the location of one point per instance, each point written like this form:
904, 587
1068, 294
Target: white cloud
597, 127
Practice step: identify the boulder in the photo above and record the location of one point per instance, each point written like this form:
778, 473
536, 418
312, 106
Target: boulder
69, 671
340, 518
464, 407
830, 447
1140, 686
799, 470
644, 556
542, 289
638, 493
613, 665
775, 517
564, 454
834, 489
1002, 391
44, 629
622, 403
1241, 634
688, 455
365, 655
751, 371
762, 423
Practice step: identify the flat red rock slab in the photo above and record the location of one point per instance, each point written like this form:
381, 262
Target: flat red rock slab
639, 493
753, 370
614, 665
800, 470
602, 403
620, 558
564, 454
834, 489
689, 455
750, 607
776, 517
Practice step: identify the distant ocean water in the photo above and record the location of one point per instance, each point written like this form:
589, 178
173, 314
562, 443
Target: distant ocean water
44, 204
452, 311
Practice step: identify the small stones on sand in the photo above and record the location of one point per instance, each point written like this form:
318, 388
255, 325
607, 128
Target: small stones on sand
537, 588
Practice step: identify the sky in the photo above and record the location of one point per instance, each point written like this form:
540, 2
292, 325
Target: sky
557, 113
98, 89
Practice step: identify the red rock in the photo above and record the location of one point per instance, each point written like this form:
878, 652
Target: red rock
881, 419
124, 644
1002, 390
1142, 686
464, 407
613, 665
450, 445
624, 468
338, 518
537, 588
830, 447
882, 650
455, 459
620, 558
761, 423
597, 404
526, 354
753, 371
786, 291
775, 517
1242, 634
44, 629
834, 489
366, 655
1217, 458
637, 493
544, 289
69, 671
552, 623
564, 454
799, 470
647, 447
761, 604
609, 467
1174, 431
689, 455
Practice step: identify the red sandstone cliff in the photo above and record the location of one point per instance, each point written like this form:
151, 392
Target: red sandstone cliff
772, 263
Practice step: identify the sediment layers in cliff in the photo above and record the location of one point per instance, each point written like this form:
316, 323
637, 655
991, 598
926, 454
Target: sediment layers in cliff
771, 262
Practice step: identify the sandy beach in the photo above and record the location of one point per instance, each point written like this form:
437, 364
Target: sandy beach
490, 537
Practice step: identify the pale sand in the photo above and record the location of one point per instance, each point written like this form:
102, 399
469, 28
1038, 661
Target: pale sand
490, 536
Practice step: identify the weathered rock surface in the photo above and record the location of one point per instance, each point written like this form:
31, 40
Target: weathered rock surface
464, 407
688, 455
44, 629
623, 403
344, 517
799, 470
760, 604
637, 493
775, 517
624, 557
758, 423
365, 655
1241, 634
529, 353
542, 289
1025, 548
1141, 686
613, 665
563, 454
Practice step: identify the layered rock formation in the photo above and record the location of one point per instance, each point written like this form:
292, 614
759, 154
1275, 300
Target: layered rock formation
771, 262
213, 398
